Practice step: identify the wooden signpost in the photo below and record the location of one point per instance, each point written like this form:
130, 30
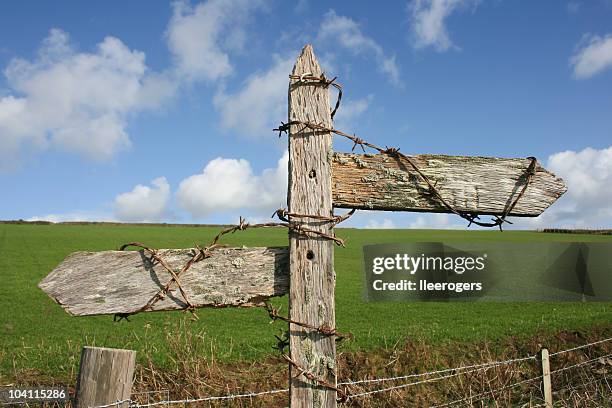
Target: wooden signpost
120, 282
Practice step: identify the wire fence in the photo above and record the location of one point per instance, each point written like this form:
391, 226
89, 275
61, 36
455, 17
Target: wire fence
423, 378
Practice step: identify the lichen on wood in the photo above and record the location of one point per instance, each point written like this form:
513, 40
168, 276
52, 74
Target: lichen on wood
483, 185
109, 282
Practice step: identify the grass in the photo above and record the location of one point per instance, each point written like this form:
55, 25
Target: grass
37, 335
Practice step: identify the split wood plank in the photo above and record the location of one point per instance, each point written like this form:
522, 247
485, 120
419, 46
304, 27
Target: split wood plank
109, 282
483, 185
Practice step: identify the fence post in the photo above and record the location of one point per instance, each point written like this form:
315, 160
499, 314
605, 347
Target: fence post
311, 259
105, 376
546, 384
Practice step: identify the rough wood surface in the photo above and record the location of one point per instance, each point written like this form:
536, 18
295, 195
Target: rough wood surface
483, 185
92, 283
311, 266
105, 377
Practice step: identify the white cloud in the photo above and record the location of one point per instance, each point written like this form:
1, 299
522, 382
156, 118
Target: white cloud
588, 200
143, 203
77, 102
353, 108
428, 22
83, 216
593, 55
435, 221
230, 184
347, 33
201, 37
258, 107
385, 223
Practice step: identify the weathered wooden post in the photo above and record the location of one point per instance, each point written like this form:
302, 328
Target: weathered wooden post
105, 377
546, 383
311, 259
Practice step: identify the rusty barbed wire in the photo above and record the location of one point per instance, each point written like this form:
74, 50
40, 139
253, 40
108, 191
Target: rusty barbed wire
290, 225
472, 218
283, 214
323, 329
202, 253
342, 396
308, 78
161, 294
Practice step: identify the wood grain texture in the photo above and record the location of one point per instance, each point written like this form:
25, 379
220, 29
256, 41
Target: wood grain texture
105, 377
93, 283
312, 276
483, 185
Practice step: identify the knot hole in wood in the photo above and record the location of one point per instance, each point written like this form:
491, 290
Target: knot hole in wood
310, 255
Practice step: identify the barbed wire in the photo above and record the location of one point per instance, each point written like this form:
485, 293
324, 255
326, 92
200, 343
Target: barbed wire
573, 388
202, 253
484, 394
446, 370
207, 399
323, 329
580, 347
454, 372
591, 361
472, 218
309, 79
114, 404
397, 387
342, 396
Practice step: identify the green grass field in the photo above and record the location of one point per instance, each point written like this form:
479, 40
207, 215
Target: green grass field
38, 336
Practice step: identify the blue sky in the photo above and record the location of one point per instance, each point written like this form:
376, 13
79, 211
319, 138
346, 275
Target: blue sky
153, 111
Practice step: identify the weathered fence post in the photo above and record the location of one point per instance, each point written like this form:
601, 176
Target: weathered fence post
546, 384
311, 259
105, 376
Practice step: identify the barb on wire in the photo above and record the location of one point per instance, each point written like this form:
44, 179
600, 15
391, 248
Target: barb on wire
206, 252
482, 395
496, 221
342, 396
206, 399
292, 226
282, 342
310, 79
430, 380
457, 370
491, 392
283, 214
581, 347
591, 361
161, 294
323, 329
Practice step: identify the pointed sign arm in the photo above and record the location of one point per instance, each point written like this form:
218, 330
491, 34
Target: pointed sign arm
121, 282
475, 185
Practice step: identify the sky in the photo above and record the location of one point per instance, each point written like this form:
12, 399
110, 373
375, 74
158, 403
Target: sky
147, 111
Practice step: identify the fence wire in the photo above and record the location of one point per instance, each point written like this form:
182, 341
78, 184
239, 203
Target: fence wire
452, 372
579, 347
483, 395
